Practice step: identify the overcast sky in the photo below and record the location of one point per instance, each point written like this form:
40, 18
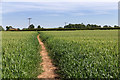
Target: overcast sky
54, 13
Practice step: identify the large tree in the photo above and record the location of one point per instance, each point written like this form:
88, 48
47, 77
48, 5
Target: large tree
31, 26
39, 26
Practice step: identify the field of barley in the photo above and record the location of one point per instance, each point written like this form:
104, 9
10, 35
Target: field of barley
83, 54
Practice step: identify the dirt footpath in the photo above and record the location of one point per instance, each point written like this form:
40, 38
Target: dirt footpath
47, 65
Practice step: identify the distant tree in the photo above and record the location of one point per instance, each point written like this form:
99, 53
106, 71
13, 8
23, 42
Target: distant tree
18, 29
82, 25
115, 26
7, 28
105, 26
1, 28
109, 26
31, 26
88, 25
39, 26
10, 27
24, 29
59, 27
99, 26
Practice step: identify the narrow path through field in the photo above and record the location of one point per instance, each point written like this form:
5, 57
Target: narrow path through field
48, 67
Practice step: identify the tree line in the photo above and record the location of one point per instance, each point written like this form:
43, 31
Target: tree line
10, 28
79, 26
32, 27
66, 27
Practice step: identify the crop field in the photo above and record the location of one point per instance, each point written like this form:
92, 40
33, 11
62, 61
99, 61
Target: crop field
20, 55
83, 54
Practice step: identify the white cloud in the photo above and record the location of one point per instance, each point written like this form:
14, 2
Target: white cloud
55, 8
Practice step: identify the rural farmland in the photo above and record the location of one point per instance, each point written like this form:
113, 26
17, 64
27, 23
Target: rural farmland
60, 39
20, 55
77, 54
84, 54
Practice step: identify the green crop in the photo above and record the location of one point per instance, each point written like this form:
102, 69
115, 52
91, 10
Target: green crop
83, 54
20, 55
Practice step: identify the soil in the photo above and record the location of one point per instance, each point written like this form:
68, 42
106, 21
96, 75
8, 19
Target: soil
47, 66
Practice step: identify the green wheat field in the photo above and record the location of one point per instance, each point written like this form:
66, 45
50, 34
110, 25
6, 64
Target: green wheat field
77, 54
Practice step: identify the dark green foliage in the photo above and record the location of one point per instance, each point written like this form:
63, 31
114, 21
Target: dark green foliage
18, 29
89, 26
31, 26
116, 26
105, 26
8, 27
79, 26
39, 26
60, 27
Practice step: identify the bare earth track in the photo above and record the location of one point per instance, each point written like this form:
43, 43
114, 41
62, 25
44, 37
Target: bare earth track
47, 65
